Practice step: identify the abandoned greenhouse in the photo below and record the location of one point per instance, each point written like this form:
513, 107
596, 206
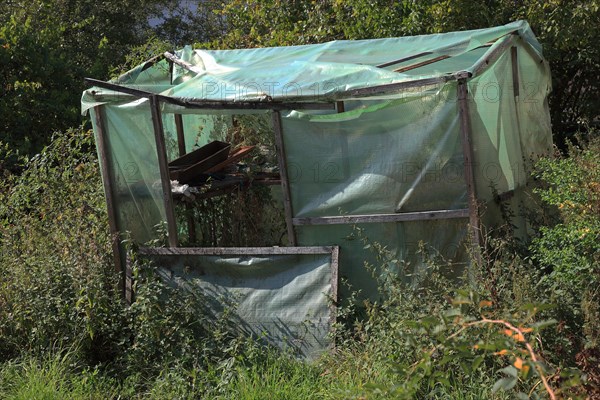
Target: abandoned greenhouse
268, 174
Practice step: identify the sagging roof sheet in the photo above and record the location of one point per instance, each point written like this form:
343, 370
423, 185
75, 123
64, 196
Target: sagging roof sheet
316, 71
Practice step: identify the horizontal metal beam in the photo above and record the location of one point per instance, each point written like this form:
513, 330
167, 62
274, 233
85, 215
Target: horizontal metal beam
213, 104
233, 251
403, 59
391, 88
426, 53
380, 218
421, 64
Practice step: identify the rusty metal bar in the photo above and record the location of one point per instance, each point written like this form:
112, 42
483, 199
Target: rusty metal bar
233, 251
189, 209
163, 166
335, 261
107, 181
382, 218
404, 59
212, 104
493, 54
515, 70
180, 134
421, 64
467, 147
285, 186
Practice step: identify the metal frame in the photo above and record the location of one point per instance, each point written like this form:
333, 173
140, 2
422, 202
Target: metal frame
421, 64
183, 64
264, 104
182, 151
515, 70
233, 251
382, 218
107, 180
267, 103
493, 53
285, 186
163, 166
467, 147
180, 134
426, 53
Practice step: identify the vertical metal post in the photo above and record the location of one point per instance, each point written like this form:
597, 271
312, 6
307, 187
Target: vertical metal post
287, 203
467, 147
163, 166
335, 260
108, 180
515, 70
188, 207
180, 134
129, 294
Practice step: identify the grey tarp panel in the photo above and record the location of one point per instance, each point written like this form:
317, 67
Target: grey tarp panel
285, 299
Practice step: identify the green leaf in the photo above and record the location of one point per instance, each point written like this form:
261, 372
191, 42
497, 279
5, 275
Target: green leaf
444, 381
544, 324
504, 384
510, 371
477, 362
453, 312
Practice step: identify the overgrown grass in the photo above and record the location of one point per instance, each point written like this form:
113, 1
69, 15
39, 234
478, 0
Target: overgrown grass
53, 377
58, 377
65, 333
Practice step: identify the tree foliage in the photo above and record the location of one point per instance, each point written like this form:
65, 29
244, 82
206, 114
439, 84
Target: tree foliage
47, 47
567, 29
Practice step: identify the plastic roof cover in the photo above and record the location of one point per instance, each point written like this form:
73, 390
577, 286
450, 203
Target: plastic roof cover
312, 72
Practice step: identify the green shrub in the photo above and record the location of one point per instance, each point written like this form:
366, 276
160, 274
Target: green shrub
57, 284
58, 288
569, 251
422, 338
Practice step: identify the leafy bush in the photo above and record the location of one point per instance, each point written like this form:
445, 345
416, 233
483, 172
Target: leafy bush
568, 251
429, 339
425, 340
57, 284
58, 288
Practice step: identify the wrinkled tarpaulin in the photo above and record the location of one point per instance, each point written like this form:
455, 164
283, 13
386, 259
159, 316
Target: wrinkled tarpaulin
421, 126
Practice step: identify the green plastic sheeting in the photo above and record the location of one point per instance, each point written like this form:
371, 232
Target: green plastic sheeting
282, 299
389, 153
392, 156
312, 71
511, 127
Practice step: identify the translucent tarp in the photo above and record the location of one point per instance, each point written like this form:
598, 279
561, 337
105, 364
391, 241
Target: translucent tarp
387, 157
283, 299
389, 154
361, 263
312, 71
511, 129
131, 145
133, 164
